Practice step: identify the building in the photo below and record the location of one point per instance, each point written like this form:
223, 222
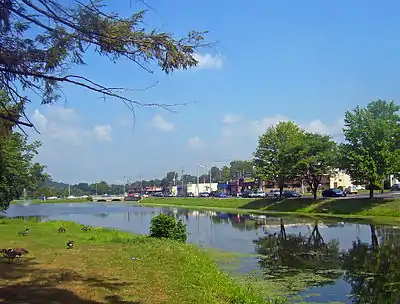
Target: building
340, 179
393, 180
192, 188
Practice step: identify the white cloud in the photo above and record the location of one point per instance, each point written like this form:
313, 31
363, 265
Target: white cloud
208, 61
231, 118
196, 142
61, 124
102, 132
335, 129
159, 123
242, 137
40, 120
258, 127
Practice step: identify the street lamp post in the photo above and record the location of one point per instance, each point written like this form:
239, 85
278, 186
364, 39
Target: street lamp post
198, 166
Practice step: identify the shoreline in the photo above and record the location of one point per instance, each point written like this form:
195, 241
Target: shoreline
379, 211
355, 218
111, 262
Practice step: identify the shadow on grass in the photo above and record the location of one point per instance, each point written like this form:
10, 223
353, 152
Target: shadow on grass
285, 205
352, 205
349, 205
24, 281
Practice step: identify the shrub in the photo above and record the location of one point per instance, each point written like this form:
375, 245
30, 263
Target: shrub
165, 226
90, 198
340, 187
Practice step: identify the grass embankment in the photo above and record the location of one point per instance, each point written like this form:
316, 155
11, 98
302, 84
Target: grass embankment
55, 201
100, 269
361, 207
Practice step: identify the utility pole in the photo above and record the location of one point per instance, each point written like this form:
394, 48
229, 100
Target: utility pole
198, 180
182, 181
210, 179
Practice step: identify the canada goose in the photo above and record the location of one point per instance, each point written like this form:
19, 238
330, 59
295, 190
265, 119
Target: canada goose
85, 228
61, 229
10, 254
70, 244
20, 251
24, 233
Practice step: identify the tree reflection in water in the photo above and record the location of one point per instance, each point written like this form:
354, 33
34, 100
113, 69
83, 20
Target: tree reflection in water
373, 270
284, 255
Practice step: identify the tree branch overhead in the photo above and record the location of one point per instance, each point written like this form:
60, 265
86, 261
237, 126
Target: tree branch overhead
42, 40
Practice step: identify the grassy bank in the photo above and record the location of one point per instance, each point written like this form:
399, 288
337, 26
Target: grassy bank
378, 207
39, 201
100, 269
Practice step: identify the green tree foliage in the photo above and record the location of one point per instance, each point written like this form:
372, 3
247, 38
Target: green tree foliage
239, 168
277, 153
165, 226
41, 40
317, 158
225, 174
17, 169
372, 148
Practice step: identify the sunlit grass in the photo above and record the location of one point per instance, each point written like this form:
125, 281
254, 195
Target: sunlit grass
100, 268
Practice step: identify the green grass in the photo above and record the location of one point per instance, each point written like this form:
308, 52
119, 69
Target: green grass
100, 269
352, 207
57, 201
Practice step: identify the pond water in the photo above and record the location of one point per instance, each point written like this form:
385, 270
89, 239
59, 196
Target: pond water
358, 263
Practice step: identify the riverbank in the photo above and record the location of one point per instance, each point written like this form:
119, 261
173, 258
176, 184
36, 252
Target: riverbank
350, 207
108, 266
54, 201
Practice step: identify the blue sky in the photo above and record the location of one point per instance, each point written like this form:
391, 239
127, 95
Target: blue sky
307, 61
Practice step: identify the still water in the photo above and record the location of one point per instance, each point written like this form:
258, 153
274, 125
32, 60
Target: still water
361, 263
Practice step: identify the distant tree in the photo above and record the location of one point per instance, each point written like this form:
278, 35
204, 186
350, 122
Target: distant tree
277, 153
239, 167
225, 174
317, 158
102, 188
372, 148
215, 174
41, 40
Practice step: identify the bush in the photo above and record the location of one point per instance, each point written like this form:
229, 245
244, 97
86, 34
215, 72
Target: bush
165, 226
340, 187
90, 198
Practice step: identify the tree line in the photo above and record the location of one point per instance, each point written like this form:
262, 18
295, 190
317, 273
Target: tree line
369, 153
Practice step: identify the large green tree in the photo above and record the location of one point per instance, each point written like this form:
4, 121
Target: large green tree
277, 153
372, 148
317, 158
41, 40
17, 169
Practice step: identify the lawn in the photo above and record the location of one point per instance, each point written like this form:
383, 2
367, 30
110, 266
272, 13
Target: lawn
101, 269
389, 207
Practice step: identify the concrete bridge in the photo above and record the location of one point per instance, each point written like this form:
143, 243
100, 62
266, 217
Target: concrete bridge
108, 198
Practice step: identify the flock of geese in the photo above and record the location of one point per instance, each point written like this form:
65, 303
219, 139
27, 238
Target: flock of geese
11, 253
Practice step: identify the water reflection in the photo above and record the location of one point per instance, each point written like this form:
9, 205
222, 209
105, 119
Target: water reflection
361, 260
373, 269
289, 254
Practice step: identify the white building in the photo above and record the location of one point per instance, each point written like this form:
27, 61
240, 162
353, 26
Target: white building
192, 188
393, 180
340, 179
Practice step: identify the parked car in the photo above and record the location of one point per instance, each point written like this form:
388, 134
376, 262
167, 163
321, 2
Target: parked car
395, 187
204, 194
274, 193
351, 190
290, 193
258, 194
247, 194
333, 192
